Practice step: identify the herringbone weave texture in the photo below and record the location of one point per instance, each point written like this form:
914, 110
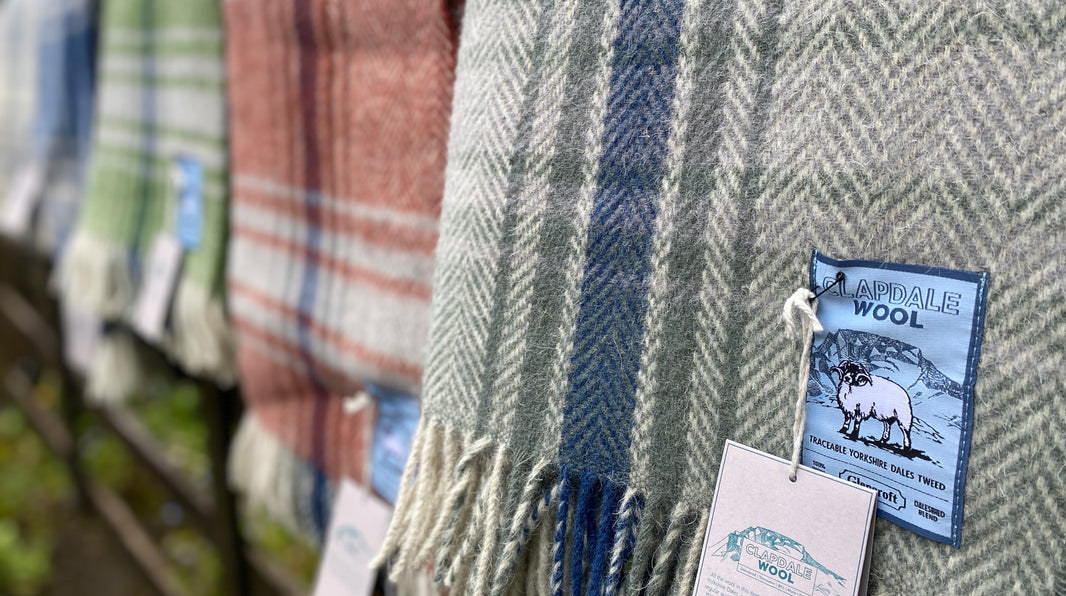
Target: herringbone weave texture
340, 123
633, 189
161, 96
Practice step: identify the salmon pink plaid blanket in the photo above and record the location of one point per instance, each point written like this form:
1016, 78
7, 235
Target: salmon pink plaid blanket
339, 126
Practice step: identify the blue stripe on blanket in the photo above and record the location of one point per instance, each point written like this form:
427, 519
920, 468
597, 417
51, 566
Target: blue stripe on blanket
606, 353
320, 502
63, 123
149, 101
598, 415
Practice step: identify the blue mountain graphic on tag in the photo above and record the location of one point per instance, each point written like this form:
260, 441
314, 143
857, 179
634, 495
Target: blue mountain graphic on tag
729, 548
352, 540
904, 365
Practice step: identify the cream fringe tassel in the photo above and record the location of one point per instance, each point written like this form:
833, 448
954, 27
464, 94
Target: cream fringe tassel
94, 275
264, 470
271, 476
200, 337
450, 515
117, 371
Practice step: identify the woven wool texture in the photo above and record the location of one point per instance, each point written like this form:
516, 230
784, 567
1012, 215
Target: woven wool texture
340, 120
20, 30
160, 97
63, 122
635, 187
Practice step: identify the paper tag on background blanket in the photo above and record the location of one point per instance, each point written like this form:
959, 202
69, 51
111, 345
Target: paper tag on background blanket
356, 533
157, 287
890, 395
393, 435
21, 199
188, 178
768, 535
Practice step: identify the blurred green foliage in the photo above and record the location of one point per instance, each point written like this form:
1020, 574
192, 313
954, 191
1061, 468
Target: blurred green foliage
175, 420
36, 493
32, 485
295, 553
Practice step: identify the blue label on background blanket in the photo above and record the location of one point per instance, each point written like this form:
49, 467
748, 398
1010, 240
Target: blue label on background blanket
393, 434
188, 184
890, 397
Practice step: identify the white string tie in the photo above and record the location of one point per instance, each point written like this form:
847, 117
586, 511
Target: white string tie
802, 323
356, 403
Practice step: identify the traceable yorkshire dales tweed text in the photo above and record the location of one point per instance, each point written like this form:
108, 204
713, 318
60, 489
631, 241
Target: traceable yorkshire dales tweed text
877, 364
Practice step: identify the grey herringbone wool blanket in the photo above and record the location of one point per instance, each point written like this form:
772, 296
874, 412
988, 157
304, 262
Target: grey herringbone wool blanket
634, 187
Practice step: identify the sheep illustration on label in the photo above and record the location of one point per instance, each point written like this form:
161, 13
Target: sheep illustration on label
861, 396
917, 381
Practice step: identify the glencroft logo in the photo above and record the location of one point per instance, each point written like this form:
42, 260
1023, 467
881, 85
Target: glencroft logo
887, 495
890, 396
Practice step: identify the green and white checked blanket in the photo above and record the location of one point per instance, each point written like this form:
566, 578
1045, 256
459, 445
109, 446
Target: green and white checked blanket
161, 97
635, 186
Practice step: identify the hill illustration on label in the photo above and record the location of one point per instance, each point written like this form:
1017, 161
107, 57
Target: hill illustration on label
865, 376
352, 540
890, 396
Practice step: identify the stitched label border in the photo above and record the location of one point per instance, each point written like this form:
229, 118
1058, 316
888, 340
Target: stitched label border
891, 390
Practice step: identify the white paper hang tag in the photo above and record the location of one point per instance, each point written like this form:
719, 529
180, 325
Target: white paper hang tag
157, 287
768, 535
21, 200
356, 533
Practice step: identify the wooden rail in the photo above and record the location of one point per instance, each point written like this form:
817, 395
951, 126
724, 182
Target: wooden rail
123, 523
33, 331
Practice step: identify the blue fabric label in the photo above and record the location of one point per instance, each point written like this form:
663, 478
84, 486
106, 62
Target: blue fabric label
393, 434
188, 183
890, 396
